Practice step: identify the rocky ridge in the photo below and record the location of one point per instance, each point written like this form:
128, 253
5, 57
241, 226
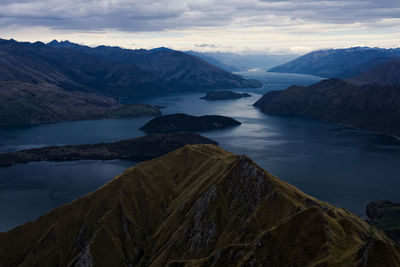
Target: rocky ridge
197, 206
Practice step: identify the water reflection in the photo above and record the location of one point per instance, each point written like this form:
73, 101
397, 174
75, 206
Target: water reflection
30, 190
337, 164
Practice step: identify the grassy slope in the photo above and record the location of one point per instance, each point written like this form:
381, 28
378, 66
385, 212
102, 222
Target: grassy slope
26, 103
198, 205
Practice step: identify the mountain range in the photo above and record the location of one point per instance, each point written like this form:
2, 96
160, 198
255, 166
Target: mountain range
339, 63
65, 81
371, 107
197, 206
111, 70
237, 62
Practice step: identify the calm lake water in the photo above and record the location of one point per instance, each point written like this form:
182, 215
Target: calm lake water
343, 166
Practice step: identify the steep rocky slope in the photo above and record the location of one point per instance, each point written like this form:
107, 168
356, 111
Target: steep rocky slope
370, 107
197, 206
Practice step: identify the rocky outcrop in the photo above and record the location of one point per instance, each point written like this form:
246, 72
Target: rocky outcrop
197, 206
146, 147
224, 95
386, 216
370, 107
183, 122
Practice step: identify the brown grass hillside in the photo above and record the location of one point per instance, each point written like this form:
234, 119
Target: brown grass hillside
197, 206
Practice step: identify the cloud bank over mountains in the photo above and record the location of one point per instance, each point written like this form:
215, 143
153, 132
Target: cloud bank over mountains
186, 17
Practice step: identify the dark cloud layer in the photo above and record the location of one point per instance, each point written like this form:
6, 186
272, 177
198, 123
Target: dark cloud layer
149, 15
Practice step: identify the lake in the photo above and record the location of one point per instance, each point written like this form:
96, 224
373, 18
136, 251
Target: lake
340, 165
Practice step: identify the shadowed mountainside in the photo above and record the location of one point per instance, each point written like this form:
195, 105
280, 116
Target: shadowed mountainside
65, 81
168, 70
197, 206
386, 216
210, 59
183, 122
237, 62
111, 70
26, 103
146, 147
339, 63
385, 74
370, 107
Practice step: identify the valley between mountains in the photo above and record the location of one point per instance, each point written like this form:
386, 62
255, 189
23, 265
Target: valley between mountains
187, 200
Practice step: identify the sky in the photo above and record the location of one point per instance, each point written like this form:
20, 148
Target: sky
240, 26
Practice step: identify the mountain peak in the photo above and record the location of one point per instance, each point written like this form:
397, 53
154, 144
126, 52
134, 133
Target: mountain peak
197, 205
64, 44
161, 49
54, 42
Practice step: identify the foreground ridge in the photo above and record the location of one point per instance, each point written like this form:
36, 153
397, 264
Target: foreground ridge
197, 206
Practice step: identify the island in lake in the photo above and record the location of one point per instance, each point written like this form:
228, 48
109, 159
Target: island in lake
146, 147
182, 122
224, 95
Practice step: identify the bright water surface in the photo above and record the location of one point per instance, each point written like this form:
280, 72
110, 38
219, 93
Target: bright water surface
343, 166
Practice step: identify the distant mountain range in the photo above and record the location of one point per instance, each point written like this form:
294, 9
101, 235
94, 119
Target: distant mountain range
62, 80
339, 63
372, 107
236, 62
111, 70
197, 206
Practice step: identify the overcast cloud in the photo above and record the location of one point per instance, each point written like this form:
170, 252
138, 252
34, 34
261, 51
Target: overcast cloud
135, 16
139, 15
